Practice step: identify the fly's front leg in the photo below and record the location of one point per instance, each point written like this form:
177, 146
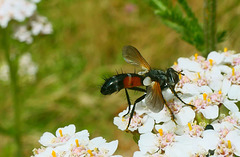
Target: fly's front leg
175, 94
172, 115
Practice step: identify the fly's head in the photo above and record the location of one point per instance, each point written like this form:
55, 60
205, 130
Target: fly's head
172, 76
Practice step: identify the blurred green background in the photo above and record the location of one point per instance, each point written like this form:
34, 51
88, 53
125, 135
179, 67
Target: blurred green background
86, 46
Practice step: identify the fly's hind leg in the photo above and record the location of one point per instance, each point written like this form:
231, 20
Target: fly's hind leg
129, 102
133, 109
128, 97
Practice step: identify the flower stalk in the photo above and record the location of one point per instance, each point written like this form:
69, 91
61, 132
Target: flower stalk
209, 25
13, 69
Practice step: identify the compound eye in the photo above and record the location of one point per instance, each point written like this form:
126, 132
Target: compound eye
176, 78
172, 76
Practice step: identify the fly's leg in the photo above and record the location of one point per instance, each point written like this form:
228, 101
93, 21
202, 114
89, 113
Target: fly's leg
133, 109
172, 115
128, 97
175, 94
129, 102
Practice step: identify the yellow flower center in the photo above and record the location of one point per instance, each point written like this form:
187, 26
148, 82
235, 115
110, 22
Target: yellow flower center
229, 144
199, 76
77, 144
204, 96
90, 152
160, 131
189, 126
233, 71
195, 55
210, 61
54, 154
225, 49
60, 132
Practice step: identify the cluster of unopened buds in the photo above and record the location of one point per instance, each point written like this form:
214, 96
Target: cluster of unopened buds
69, 143
209, 127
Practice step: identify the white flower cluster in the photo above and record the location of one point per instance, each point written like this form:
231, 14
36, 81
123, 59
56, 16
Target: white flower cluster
69, 143
20, 10
210, 128
37, 25
17, 10
27, 69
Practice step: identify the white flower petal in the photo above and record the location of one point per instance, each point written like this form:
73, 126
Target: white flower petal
46, 138
138, 154
214, 74
234, 91
147, 143
169, 126
210, 139
187, 64
183, 147
111, 147
70, 130
96, 142
189, 88
234, 137
215, 85
210, 112
220, 126
216, 57
230, 105
147, 126
82, 136
185, 116
205, 89
162, 116
225, 69
226, 84
120, 123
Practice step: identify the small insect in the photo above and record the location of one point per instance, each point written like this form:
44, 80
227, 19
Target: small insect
154, 80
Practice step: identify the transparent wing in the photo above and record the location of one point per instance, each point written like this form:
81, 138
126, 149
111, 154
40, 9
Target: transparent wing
132, 55
154, 98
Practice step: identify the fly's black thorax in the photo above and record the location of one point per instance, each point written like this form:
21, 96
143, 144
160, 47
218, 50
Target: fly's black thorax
159, 76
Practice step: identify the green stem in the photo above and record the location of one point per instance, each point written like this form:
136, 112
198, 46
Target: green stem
13, 69
209, 23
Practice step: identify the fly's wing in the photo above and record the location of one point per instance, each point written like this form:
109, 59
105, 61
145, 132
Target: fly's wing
132, 55
154, 98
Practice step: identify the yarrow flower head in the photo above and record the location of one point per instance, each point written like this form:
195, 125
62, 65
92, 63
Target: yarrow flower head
36, 25
27, 69
15, 10
208, 125
69, 143
29, 22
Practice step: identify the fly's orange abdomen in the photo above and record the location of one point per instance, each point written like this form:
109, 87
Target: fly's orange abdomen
132, 81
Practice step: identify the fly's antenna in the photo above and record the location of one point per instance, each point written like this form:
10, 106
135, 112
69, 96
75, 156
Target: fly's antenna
180, 72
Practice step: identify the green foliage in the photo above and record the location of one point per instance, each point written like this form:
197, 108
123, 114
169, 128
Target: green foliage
181, 18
